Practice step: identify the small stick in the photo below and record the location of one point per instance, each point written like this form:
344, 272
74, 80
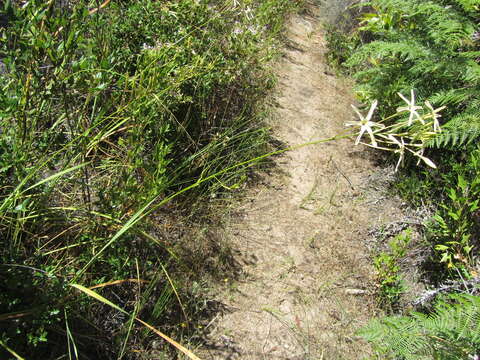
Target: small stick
341, 173
93, 11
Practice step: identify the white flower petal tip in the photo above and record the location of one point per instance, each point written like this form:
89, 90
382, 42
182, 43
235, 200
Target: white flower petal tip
399, 162
360, 116
395, 140
434, 114
372, 109
401, 150
426, 160
359, 137
429, 162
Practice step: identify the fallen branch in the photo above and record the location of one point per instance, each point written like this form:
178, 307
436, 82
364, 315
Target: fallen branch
470, 286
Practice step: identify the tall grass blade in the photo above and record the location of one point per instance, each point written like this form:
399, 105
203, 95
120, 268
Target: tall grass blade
70, 339
100, 298
18, 357
57, 175
144, 211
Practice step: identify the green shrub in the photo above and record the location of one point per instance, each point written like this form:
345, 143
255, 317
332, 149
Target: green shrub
455, 228
389, 278
430, 46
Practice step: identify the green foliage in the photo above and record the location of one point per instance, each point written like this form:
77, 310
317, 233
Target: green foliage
456, 228
431, 46
414, 185
341, 46
451, 331
387, 267
106, 114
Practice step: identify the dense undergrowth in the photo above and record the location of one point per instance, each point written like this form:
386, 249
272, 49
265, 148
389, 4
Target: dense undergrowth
109, 113
431, 47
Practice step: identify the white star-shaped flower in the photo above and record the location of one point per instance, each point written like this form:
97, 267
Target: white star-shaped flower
366, 124
434, 113
411, 108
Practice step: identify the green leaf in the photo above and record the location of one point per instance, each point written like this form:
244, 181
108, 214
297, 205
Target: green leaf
446, 257
474, 205
453, 215
462, 184
452, 194
101, 87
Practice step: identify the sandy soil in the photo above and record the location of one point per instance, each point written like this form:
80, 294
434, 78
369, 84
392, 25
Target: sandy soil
301, 236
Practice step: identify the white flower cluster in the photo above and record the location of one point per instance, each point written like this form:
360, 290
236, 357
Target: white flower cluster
247, 13
408, 135
240, 29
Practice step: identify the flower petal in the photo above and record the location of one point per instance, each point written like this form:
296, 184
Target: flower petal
400, 160
394, 139
372, 138
362, 131
428, 161
358, 113
372, 109
403, 98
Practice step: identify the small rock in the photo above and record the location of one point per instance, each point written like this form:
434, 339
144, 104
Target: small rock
355, 292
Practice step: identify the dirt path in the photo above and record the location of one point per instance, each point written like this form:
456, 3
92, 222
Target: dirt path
301, 236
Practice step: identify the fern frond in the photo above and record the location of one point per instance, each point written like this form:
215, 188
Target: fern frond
453, 97
469, 5
472, 73
451, 331
404, 50
398, 334
425, 69
470, 54
462, 130
444, 26
454, 138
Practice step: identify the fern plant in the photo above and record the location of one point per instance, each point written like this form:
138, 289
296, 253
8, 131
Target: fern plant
450, 332
432, 46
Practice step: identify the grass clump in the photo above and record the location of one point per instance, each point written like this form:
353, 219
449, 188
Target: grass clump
108, 115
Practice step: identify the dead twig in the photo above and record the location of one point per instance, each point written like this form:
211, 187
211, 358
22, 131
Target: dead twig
93, 11
428, 296
341, 172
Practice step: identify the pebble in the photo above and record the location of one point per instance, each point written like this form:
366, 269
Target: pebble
355, 292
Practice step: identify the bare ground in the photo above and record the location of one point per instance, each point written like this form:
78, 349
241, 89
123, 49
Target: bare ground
301, 236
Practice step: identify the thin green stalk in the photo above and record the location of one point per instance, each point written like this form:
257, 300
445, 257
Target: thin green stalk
143, 212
